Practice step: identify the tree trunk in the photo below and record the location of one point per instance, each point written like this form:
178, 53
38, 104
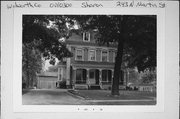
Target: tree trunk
32, 81
27, 68
117, 68
27, 80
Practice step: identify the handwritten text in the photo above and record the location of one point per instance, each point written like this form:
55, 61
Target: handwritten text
88, 5
140, 4
60, 5
24, 5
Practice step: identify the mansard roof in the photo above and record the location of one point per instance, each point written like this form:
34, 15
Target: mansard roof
76, 38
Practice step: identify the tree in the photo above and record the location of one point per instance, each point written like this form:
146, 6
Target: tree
135, 36
148, 76
42, 39
31, 64
47, 31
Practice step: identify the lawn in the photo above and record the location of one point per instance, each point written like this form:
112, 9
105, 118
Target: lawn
106, 95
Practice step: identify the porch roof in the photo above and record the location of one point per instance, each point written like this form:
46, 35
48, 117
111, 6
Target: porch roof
92, 66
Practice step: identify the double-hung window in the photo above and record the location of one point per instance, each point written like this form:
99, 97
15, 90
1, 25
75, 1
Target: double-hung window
79, 54
106, 75
104, 56
92, 55
86, 36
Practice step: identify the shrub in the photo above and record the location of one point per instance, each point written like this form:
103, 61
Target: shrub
62, 84
148, 77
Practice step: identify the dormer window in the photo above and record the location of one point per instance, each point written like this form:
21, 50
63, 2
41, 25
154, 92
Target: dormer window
86, 36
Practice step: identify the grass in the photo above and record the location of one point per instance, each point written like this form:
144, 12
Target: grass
106, 95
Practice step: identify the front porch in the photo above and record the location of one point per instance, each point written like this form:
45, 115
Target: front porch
92, 78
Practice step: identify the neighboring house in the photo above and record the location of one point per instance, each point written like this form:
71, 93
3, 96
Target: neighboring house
47, 80
91, 65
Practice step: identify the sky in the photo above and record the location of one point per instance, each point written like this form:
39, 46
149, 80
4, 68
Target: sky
47, 64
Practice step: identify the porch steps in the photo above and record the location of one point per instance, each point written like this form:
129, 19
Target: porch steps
80, 86
94, 87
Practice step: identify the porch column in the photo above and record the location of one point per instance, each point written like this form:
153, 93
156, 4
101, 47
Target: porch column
112, 74
74, 78
100, 78
100, 75
87, 77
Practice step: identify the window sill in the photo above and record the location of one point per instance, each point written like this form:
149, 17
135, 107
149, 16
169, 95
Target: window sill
86, 41
92, 60
106, 83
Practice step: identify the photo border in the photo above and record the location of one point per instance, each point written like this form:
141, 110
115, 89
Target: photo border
17, 61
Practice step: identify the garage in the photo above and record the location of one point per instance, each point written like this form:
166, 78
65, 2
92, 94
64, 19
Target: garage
47, 81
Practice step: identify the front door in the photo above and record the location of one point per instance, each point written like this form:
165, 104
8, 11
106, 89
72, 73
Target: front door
92, 77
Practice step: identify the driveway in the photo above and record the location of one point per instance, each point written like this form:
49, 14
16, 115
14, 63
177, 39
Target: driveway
50, 97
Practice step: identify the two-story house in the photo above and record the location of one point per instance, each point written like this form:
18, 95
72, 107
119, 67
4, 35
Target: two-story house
92, 65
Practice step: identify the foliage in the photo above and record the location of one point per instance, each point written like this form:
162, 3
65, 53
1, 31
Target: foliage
42, 36
148, 77
134, 77
62, 84
47, 31
31, 64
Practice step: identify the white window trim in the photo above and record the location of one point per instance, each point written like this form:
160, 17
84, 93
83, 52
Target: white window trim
107, 55
82, 54
89, 59
84, 37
